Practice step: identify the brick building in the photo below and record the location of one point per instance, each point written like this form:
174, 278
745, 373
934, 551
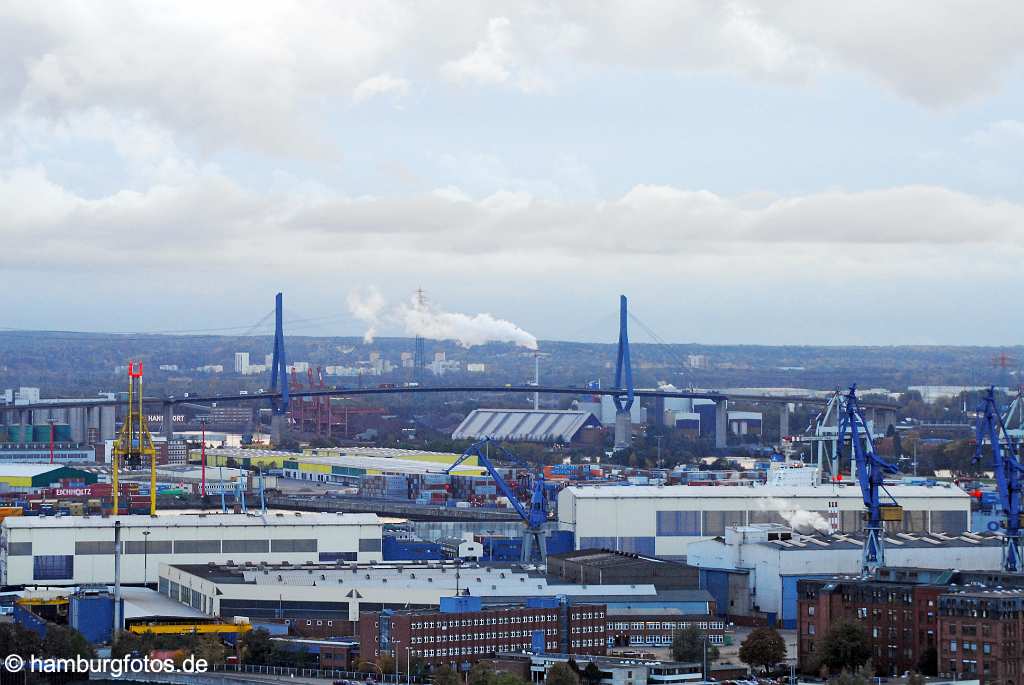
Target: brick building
980, 635
464, 631
645, 628
900, 610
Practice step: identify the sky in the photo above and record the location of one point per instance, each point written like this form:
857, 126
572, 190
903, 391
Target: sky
777, 172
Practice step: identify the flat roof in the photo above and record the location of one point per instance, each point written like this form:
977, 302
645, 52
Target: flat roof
893, 541
140, 602
171, 519
751, 492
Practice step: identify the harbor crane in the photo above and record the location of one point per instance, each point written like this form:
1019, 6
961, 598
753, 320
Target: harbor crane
871, 473
535, 518
991, 425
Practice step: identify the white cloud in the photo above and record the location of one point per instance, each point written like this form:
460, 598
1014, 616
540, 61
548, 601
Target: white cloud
997, 133
381, 84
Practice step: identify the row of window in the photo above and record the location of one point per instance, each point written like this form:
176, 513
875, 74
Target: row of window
92, 547
491, 621
666, 625
467, 651
661, 639
466, 637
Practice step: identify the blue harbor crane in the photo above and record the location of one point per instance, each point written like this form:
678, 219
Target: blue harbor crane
990, 425
871, 473
535, 518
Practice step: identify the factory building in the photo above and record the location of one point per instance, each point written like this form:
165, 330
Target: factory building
664, 520
753, 571
73, 550
330, 597
531, 425
83, 425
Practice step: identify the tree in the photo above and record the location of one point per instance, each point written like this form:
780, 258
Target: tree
862, 676
446, 676
257, 648
65, 643
481, 674
561, 674
592, 674
846, 646
764, 647
505, 678
928, 664
688, 645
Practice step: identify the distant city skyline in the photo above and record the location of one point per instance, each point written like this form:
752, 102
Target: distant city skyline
749, 172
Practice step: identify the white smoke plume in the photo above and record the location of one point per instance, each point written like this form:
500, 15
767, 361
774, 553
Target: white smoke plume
367, 306
800, 520
421, 319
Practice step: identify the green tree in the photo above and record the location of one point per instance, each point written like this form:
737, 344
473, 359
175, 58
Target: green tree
65, 643
504, 678
561, 674
16, 639
446, 676
763, 648
592, 674
845, 646
688, 645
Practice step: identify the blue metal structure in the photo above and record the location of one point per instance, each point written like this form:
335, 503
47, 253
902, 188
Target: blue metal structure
535, 518
1007, 468
871, 473
279, 366
623, 367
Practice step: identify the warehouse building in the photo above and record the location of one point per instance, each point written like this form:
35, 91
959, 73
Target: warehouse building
531, 425
340, 468
663, 520
29, 477
72, 550
330, 597
753, 571
609, 566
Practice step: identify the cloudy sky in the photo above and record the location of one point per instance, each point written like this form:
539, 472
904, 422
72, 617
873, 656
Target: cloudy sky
747, 172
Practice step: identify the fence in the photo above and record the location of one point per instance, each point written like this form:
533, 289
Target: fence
318, 673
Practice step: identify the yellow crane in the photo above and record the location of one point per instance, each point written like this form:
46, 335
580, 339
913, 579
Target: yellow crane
134, 442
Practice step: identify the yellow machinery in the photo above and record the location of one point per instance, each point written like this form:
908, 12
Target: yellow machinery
892, 513
134, 442
190, 628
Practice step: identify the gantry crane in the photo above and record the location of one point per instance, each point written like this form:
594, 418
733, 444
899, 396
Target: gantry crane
991, 425
535, 518
871, 473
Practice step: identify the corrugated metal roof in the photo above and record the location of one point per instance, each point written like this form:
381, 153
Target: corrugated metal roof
528, 425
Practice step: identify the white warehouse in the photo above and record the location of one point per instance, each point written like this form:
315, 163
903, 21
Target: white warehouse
71, 550
663, 520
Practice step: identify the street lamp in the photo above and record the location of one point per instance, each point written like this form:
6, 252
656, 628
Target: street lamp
145, 557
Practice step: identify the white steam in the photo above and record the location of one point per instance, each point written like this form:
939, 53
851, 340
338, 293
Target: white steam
367, 306
421, 319
800, 520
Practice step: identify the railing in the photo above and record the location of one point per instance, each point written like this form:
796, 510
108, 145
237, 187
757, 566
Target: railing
318, 673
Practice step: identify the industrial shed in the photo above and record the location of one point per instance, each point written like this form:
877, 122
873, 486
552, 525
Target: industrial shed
29, 476
527, 425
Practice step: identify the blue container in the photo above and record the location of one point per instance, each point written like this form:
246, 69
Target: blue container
93, 616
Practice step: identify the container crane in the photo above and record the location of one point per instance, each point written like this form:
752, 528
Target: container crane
535, 518
871, 473
1007, 468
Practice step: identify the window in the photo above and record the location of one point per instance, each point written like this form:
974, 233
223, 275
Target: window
94, 547
234, 546
678, 523
151, 547
369, 544
197, 546
53, 567
715, 522
952, 522
19, 549
286, 546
